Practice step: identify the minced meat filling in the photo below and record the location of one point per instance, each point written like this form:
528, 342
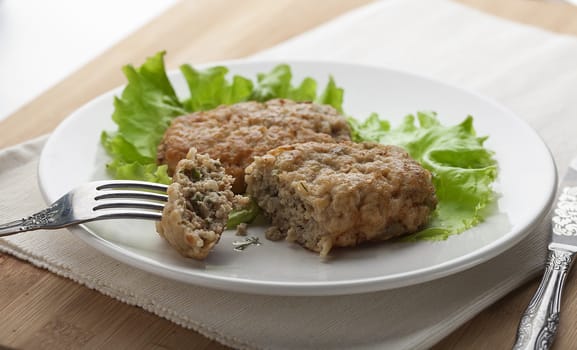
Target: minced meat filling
199, 202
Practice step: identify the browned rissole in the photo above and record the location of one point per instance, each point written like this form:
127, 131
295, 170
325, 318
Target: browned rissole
325, 195
235, 134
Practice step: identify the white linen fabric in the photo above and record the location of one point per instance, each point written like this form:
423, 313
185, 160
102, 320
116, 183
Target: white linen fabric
531, 71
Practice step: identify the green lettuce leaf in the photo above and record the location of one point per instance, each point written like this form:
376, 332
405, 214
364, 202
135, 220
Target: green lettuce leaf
332, 95
209, 88
278, 84
463, 169
246, 214
142, 113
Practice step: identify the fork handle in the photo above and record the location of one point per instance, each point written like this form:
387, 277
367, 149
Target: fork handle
13, 227
43, 219
27, 224
538, 326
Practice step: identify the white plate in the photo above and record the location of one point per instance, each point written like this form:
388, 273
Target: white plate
526, 183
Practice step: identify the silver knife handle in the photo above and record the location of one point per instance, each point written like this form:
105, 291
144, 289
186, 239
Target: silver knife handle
538, 325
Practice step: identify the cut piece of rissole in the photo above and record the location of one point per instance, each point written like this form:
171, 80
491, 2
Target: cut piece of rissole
199, 202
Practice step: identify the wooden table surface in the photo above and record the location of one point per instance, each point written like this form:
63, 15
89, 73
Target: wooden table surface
41, 310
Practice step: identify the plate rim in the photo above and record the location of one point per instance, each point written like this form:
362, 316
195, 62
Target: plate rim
320, 288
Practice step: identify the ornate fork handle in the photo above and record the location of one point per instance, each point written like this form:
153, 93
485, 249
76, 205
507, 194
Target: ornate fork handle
51, 217
538, 325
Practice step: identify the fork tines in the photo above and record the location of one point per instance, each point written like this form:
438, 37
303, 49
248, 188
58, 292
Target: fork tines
127, 198
101, 185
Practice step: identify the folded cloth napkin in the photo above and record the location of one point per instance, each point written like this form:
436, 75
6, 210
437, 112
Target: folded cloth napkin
529, 70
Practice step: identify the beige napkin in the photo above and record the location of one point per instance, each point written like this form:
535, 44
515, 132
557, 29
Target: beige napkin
529, 70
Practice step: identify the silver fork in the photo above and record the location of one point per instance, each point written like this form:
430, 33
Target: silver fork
96, 201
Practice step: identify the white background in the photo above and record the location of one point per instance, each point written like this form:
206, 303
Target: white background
43, 41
